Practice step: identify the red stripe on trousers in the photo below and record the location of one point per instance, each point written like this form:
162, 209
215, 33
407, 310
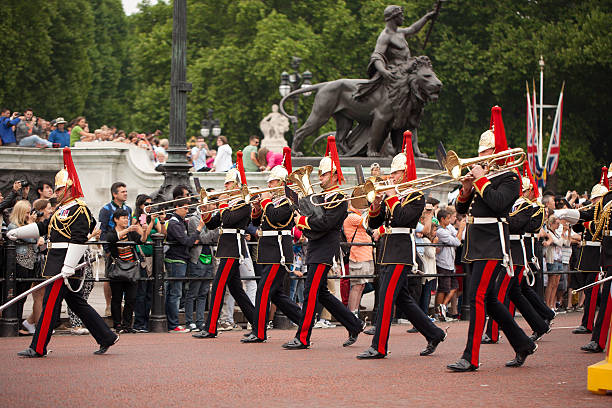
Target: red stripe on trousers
312, 302
605, 326
44, 327
387, 309
212, 327
501, 296
480, 308
263, 302
593, 304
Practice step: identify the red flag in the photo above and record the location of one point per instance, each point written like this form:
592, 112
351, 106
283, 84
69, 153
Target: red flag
240, 167
77, 191
410, 172
332, 152
287, 159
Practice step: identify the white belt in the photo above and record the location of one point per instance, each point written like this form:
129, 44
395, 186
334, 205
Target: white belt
527, 272
591, 243
398, 230
57, 245
279, 234
530, 235
409, 231
607, 233
515, 237
238, 233
485, 220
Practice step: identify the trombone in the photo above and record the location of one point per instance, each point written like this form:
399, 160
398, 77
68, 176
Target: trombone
512, 158
203, 196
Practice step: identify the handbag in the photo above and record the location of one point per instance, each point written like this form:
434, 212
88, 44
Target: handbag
124, 270
346, 249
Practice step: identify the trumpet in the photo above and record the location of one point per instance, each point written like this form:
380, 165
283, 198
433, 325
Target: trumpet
512, 158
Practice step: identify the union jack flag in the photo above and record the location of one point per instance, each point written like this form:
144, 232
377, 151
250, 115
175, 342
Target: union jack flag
552, 157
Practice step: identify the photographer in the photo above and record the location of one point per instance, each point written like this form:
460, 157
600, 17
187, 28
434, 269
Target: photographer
21, 189
28, 133
7, 121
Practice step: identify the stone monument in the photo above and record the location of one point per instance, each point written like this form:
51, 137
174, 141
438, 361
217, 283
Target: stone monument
273, 127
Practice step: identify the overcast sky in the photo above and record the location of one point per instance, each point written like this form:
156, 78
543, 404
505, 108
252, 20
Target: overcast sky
129, 6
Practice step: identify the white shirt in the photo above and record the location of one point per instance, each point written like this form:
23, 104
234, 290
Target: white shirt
223, 160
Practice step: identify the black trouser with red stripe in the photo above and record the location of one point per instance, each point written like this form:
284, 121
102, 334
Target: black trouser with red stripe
52, 306
315, 288
536, 300
483, 297
270, 289
514, 297
590, 300
227, 274
502, 290
602, 324
394, 290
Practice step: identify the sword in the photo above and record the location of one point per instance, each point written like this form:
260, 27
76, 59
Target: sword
599, 282
40, 285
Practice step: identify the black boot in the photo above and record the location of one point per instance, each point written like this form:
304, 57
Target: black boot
370, 353
104, 349
251, 338
30, 353
204, 335
462, 366
295, 344
592, 347
521, 356
432, 345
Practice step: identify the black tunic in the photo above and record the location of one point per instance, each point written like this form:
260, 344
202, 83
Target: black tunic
600, 214
71, 222
276, 215
236, 215
494, 198
536, 222
323, 231
518, 221
400, 213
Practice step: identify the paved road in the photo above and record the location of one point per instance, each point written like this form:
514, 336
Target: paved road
171, 370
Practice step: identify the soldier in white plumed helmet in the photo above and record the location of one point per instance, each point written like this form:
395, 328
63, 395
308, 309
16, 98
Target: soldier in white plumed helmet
395, 214
323, 233
274, 213
233, 217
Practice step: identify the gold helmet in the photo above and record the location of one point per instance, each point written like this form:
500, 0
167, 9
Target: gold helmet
526, 184
599, 190
232, 175
331, 161
487, 141
68, 177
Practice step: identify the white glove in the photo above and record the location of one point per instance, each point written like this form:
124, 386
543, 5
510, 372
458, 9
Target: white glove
67, 271
74, 253
27, 231
568, 214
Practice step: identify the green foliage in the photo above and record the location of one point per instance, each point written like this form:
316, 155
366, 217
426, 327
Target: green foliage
74, 57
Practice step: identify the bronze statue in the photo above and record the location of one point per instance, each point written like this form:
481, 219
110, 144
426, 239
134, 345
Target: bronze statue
389, 103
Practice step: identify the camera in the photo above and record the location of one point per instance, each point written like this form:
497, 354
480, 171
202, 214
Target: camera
24, 183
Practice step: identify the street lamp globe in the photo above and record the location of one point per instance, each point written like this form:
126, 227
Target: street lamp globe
216, 131
284, 87
307, 76
205, 132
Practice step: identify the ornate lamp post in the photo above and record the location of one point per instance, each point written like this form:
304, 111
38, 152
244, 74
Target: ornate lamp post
211, 128
292, 82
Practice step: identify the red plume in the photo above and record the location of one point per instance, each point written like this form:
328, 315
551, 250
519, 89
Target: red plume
287, 159
410, 172
604, 178
332, 151
240, 167
497, 124
77, 191
536, 191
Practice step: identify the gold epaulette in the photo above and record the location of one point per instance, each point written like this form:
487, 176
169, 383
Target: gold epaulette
412, 197
337, 197
520, 208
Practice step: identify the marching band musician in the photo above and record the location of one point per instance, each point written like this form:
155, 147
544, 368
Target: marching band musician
600, 215
323, 233
589, 260
232, 218
274, 251
396, 217
536, 221
509, 288
67, 229
488, 201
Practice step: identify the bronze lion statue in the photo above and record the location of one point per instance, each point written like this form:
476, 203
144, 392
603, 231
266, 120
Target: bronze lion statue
379, 108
